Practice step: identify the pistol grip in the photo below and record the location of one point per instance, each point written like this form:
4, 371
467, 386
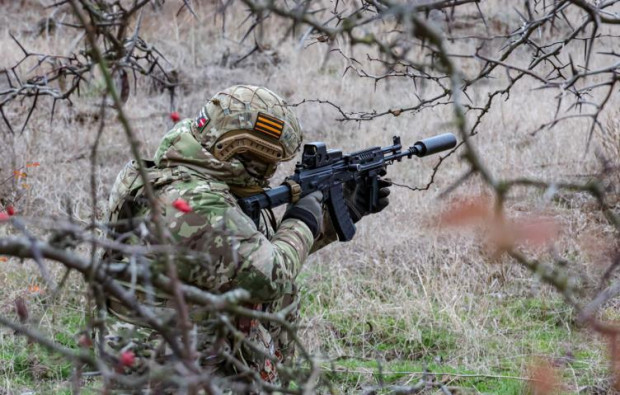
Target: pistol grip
339, 213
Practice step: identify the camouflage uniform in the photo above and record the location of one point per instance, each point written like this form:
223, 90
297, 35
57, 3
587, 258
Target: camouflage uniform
263, 261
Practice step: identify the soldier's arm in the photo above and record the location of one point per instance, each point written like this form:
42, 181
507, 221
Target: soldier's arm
328, 234
240, 256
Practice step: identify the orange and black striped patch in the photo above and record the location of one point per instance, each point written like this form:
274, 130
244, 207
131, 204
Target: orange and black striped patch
269, 125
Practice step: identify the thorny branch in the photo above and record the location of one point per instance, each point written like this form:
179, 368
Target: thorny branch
550, 65
417, 43
63, 77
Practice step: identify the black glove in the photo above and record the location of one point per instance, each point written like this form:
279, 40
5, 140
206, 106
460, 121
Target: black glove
357, 197
309, 210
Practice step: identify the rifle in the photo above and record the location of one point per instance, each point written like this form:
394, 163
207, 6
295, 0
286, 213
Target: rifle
326, 170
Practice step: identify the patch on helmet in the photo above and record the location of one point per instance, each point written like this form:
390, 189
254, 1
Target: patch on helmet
269, 125
201, 120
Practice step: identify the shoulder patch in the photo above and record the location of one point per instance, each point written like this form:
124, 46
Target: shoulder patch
201, 120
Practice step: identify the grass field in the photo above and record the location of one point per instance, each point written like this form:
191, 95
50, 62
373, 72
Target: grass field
406, 299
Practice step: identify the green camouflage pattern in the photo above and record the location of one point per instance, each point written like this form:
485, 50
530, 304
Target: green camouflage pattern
237, 108
180, 147
234, 254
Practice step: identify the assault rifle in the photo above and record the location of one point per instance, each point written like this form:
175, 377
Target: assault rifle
326, 170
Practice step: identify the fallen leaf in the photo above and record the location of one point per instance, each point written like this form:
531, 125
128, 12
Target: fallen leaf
19, 174
544, 378
21, 309
85, 341
466, 212
34, 289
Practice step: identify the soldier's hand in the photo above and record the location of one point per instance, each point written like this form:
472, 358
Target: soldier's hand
357, 197
309, 210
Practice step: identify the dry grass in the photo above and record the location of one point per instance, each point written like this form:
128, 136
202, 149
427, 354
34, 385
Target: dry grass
403, 293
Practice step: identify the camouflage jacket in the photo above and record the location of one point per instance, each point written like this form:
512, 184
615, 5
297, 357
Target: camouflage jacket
220, 248
238, 255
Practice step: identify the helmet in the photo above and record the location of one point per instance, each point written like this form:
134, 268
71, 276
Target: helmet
252, 124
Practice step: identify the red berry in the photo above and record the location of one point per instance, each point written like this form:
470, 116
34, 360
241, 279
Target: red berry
127, 358
4, 216
175, 116
182, 205
10, 210
85, 341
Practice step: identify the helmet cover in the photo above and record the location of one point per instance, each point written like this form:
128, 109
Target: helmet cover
245, 119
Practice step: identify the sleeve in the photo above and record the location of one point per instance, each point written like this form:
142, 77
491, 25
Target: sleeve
232, 252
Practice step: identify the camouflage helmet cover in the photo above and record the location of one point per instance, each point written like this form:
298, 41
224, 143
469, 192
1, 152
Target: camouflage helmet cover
248, 119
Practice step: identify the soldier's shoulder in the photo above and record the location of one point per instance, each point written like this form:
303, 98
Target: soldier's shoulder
201, 192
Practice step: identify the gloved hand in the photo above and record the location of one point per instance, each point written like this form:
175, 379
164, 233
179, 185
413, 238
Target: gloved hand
309, 210
357, 197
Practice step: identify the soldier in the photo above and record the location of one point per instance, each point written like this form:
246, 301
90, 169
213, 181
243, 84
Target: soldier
230, 150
